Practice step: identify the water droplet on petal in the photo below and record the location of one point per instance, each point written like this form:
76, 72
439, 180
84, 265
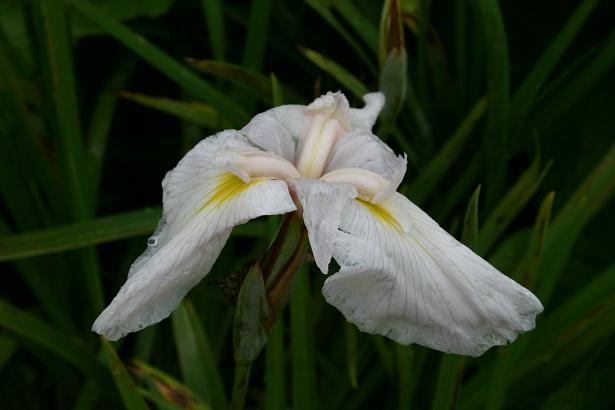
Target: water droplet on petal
153, 241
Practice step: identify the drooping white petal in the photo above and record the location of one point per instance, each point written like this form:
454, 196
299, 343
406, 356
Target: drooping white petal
365, 118
202, 203
404, 277
323, 204
362, 149
266, 132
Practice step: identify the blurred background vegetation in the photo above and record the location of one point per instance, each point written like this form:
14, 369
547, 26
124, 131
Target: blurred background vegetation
98, 99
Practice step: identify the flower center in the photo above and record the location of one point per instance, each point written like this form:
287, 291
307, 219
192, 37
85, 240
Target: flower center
368, 183
330, 121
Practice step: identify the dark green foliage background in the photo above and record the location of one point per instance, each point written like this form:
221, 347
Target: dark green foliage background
515, 96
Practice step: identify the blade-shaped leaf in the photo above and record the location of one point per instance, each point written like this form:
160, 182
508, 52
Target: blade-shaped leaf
125, 385
195, 112
177, 72
93, 232
511, 204
433, 173
345, 77
197, 363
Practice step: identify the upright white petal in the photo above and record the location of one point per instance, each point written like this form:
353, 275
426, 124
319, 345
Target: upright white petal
323, 204
266, 131
293, 118
362, 149
365, 118
202, 202
404, 277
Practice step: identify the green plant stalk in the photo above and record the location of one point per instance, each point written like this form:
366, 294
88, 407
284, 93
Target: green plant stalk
241, 382
264, 294
275, 379
303, 358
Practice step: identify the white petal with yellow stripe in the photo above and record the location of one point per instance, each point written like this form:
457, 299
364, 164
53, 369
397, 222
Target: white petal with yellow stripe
202, 202
404, 277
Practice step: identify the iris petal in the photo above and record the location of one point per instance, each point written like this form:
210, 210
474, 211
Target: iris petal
404, 277
323, 204
202, 203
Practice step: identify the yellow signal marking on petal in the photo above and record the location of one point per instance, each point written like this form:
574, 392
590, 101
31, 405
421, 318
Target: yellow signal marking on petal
381, 213
229, 186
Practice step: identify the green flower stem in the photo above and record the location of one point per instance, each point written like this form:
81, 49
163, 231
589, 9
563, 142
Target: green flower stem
240, 385
264, 294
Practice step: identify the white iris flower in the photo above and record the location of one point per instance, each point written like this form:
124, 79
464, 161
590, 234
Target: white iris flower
401, 276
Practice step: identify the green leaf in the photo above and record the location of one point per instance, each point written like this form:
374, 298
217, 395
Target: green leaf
448, 382
248, 79
194, 111
257, 33
576, 85
170, 392
525, 97
526, 271
64, 96
575, 312
324, 10
8, 347
362, 25
78, 235
335, 70
197, 363
422, 58
19, 137
591, 196
588, 312
276, 91
410, 361
26, 326
214, 16
433, 173
100, 124
125, 385
351, 334
470, 222
175, 71
573, 331
303, 358
93, 232
498, 90
511, 204
69, 138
